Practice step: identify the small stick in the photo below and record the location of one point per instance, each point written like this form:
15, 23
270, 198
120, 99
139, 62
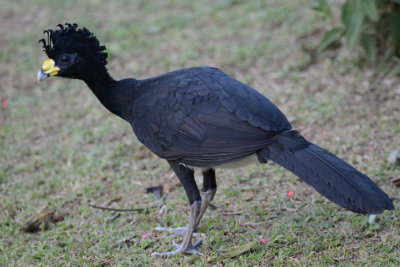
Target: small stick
115, 216
121, 210
231, 213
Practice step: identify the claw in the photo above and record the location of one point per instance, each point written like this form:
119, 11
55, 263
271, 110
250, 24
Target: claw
189, 251
186, 247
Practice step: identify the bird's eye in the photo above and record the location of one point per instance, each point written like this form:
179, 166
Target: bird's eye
65, 59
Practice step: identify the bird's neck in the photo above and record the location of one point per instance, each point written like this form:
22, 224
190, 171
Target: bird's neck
110, 92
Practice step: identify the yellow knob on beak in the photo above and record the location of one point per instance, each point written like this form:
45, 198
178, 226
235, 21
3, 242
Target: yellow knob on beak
48, 69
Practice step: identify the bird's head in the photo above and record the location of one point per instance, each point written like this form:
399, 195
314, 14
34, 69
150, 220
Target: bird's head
73, 52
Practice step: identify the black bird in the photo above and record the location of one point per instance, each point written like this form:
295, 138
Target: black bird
202, 117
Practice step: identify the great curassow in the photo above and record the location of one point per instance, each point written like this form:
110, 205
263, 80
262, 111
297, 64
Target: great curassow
202, 117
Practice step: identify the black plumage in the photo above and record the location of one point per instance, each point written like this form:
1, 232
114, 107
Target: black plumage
202, 117
192, 115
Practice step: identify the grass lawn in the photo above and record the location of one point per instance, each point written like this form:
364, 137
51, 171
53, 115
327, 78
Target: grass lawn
59, 146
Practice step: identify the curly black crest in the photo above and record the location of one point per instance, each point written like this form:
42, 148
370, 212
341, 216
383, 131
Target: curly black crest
70, 37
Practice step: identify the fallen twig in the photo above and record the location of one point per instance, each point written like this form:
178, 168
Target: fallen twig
115, 216
231, 213
123, 210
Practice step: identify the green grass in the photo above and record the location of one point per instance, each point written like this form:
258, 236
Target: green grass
60, 146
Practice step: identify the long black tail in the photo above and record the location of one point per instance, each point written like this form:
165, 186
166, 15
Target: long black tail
328, 174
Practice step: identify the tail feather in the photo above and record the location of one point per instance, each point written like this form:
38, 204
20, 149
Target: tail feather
329, 175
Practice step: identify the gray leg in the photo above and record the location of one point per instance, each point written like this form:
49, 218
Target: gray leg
186, 177
206, 198
186, 247
207, 192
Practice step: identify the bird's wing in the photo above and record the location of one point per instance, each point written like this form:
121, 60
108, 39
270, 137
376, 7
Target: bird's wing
204, 117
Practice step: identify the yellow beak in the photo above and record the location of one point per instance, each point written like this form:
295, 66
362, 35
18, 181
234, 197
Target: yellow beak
48, 69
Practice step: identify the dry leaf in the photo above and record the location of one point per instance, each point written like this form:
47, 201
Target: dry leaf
43, 216
236, 251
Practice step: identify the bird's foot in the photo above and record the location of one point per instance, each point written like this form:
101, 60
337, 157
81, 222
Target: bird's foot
175, 231
189, 250
186, 247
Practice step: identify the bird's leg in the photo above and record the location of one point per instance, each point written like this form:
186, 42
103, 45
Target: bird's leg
207, 195
186, 247
207, 192
186, 177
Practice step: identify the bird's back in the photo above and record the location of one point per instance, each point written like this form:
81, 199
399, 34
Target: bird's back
204, 116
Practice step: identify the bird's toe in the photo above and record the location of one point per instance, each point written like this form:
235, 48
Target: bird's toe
189, 250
